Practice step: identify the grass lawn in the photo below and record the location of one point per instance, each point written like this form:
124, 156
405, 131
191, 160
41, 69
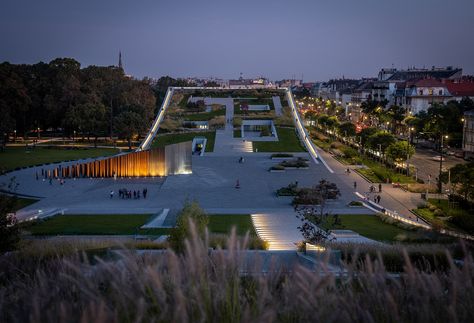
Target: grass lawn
238, 133
369, 226
287, 142
223, 223
129, 224
14, 157
205, 116
93, 224
174, 138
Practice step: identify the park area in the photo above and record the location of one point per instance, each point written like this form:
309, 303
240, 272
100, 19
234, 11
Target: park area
17, 157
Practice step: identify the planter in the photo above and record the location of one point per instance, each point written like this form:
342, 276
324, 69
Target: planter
296, 168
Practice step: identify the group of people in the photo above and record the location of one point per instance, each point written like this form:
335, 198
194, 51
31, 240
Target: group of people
129, 194
372, 188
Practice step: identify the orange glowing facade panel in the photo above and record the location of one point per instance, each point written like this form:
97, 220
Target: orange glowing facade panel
170, 160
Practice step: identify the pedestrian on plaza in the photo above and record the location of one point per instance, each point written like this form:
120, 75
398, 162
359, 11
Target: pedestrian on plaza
378, 199
380, 187
50, 181
355, 185
145, 191
36, 175
111, 194
134, 194
375, 198
237, 184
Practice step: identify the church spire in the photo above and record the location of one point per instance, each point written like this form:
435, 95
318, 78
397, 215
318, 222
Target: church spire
120, 60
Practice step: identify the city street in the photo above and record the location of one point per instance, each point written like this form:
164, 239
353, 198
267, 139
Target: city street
425, 163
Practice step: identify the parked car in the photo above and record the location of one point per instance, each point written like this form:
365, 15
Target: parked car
459, 154
450, 153
438, 158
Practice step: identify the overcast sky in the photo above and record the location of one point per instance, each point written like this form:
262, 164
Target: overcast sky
319, 39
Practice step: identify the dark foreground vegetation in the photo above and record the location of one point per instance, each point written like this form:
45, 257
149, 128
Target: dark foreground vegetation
47, 282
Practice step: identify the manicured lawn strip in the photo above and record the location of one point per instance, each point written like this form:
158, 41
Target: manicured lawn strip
429, 216
382, 172
14, 157
129, 224
174, 138
205, 116
287, 142
223, 223
369, 226
93, 224
238, 133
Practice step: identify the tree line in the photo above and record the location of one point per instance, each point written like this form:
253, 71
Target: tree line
61, 98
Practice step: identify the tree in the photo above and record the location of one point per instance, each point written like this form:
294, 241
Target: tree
366, 133
310, 207
128, 125
347, 129
399, 151
380, 140
462, 179
9, 231
191, 212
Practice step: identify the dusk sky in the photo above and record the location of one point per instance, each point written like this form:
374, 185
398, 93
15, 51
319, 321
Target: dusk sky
276, 39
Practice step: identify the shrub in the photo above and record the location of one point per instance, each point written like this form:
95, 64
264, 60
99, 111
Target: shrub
281, 155
277, 167
464, 221
438, 212
290, 190
355, 203
191, 213
349, 152
336, 145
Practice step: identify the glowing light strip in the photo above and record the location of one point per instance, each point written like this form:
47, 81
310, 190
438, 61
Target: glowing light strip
152, 133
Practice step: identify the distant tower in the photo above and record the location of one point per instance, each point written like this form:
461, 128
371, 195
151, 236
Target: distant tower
120, 60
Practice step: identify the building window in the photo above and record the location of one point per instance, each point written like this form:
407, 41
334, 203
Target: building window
440, 92
430, 91
421, 92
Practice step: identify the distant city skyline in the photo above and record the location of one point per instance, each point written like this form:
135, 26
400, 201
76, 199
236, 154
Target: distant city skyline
275, 39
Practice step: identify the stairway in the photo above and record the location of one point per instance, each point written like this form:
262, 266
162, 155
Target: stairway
278, 229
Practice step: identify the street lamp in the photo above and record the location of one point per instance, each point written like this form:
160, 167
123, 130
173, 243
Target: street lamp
38, 133
74, 138
440, 184
14, 131
408, 149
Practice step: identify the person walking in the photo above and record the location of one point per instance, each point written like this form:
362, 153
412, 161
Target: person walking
355, 185
378, 199
111, 194
380, 187
237, 184
144, 192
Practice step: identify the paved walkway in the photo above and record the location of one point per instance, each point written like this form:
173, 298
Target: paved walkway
277, 105
393, 199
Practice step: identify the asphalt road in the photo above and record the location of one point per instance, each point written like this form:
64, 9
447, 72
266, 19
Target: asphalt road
426, 165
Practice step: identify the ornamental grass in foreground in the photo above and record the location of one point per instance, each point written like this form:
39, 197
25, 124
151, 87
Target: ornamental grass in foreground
203, 286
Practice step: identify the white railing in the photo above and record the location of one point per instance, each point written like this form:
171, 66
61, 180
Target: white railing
156, 123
